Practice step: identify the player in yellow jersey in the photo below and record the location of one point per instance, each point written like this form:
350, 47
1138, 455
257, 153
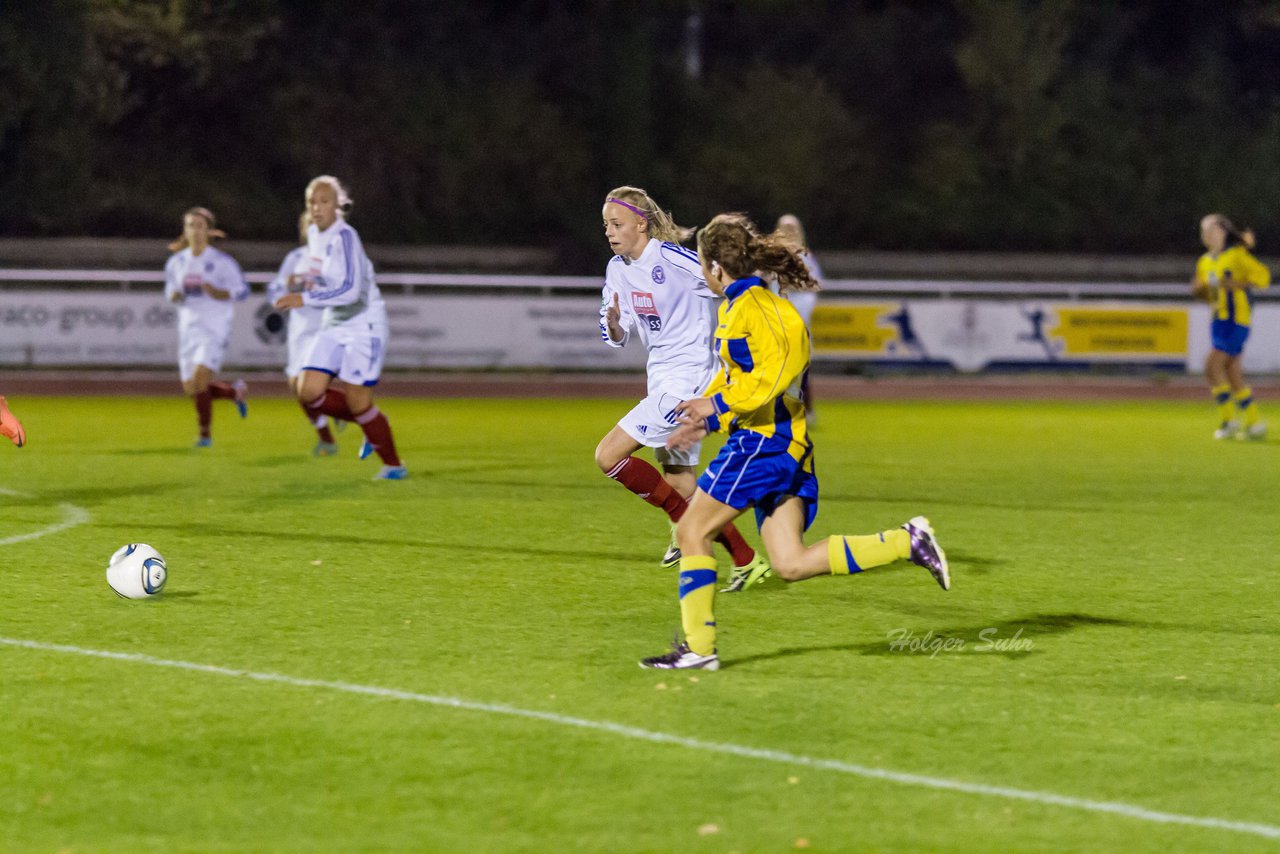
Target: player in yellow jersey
1225, 276
767, 461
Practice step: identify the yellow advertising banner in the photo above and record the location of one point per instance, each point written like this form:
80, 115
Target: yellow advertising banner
854, 330
1120, 331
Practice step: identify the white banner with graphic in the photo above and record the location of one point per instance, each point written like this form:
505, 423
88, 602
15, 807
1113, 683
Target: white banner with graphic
519, 330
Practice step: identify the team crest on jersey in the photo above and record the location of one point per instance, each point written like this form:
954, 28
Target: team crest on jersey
646, 310
208, 266
659, 275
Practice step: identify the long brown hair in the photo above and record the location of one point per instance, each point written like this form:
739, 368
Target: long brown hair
1243, 236
732, 241
661, 225
214, 232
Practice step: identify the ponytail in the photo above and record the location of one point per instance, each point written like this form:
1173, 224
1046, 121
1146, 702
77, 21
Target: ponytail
661, 225
214, 232
732, 241
1236, 236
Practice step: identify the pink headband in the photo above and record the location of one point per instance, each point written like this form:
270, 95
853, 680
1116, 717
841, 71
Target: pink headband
631, 208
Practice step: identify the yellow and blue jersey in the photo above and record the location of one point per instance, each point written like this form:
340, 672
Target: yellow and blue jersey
1234, 264
763, 348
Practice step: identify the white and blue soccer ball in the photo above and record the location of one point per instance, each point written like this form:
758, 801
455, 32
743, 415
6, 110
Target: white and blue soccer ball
137, 571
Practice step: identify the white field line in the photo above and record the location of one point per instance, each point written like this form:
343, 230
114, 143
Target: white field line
71, 516
1267, 831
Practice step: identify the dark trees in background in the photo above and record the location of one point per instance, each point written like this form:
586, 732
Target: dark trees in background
964, 124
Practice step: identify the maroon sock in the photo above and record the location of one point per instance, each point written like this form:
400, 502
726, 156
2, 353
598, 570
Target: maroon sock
221, 391
332, 403
204, 411
377, 429
645, 480
313, 415
738, 548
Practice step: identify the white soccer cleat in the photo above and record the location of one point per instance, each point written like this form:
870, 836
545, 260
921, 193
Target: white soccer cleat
1227, 430
682, 658
1255, 432
926, 552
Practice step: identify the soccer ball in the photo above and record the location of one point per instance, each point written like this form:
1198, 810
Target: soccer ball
137, 571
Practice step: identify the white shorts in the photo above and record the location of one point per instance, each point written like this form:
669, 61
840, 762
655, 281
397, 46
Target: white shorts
299, 347
353, 352
652, 421
198, 345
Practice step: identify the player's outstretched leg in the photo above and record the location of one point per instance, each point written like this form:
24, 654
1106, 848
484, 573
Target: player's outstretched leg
913, 541
10, 426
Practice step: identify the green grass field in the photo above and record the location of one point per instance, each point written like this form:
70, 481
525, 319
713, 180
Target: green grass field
1133, 558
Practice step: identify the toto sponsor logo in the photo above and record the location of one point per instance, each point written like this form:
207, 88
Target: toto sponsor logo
641, 301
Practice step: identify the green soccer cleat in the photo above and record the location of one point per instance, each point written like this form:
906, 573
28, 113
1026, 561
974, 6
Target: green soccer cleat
744, 576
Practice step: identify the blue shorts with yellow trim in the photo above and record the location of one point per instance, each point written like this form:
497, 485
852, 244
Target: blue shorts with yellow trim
1229, 337
755, 470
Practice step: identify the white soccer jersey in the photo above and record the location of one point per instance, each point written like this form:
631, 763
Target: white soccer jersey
341, 274
303, 323
804, 301
665, 301
186, 274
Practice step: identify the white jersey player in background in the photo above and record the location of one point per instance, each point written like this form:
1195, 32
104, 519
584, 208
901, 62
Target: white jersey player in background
204, 282
790, 229
352, 342
654, 291
303, 325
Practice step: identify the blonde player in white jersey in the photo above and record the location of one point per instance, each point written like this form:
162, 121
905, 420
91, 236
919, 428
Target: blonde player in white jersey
654, 291
303, 325
337, 276
204, 281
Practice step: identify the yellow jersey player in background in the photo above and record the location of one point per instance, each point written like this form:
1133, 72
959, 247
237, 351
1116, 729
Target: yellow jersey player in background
1225, 275
767, 461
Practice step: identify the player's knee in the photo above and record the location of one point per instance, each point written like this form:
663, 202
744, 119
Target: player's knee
788, 564
789, 571
692, 535
607, 461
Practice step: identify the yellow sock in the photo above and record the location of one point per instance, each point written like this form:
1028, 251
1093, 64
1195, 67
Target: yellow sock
1249, 414
854, 554
697, 602
1222, 397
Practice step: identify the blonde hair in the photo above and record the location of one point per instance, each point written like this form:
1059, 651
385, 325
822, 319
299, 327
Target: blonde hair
732, 241
207, 215
1245, 237
789, 226
661, 225
344, 198
304, 220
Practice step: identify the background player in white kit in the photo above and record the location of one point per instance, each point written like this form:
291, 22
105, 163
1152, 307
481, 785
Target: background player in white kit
303, 326
353, 338
654, 289
791, 231
204, 281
